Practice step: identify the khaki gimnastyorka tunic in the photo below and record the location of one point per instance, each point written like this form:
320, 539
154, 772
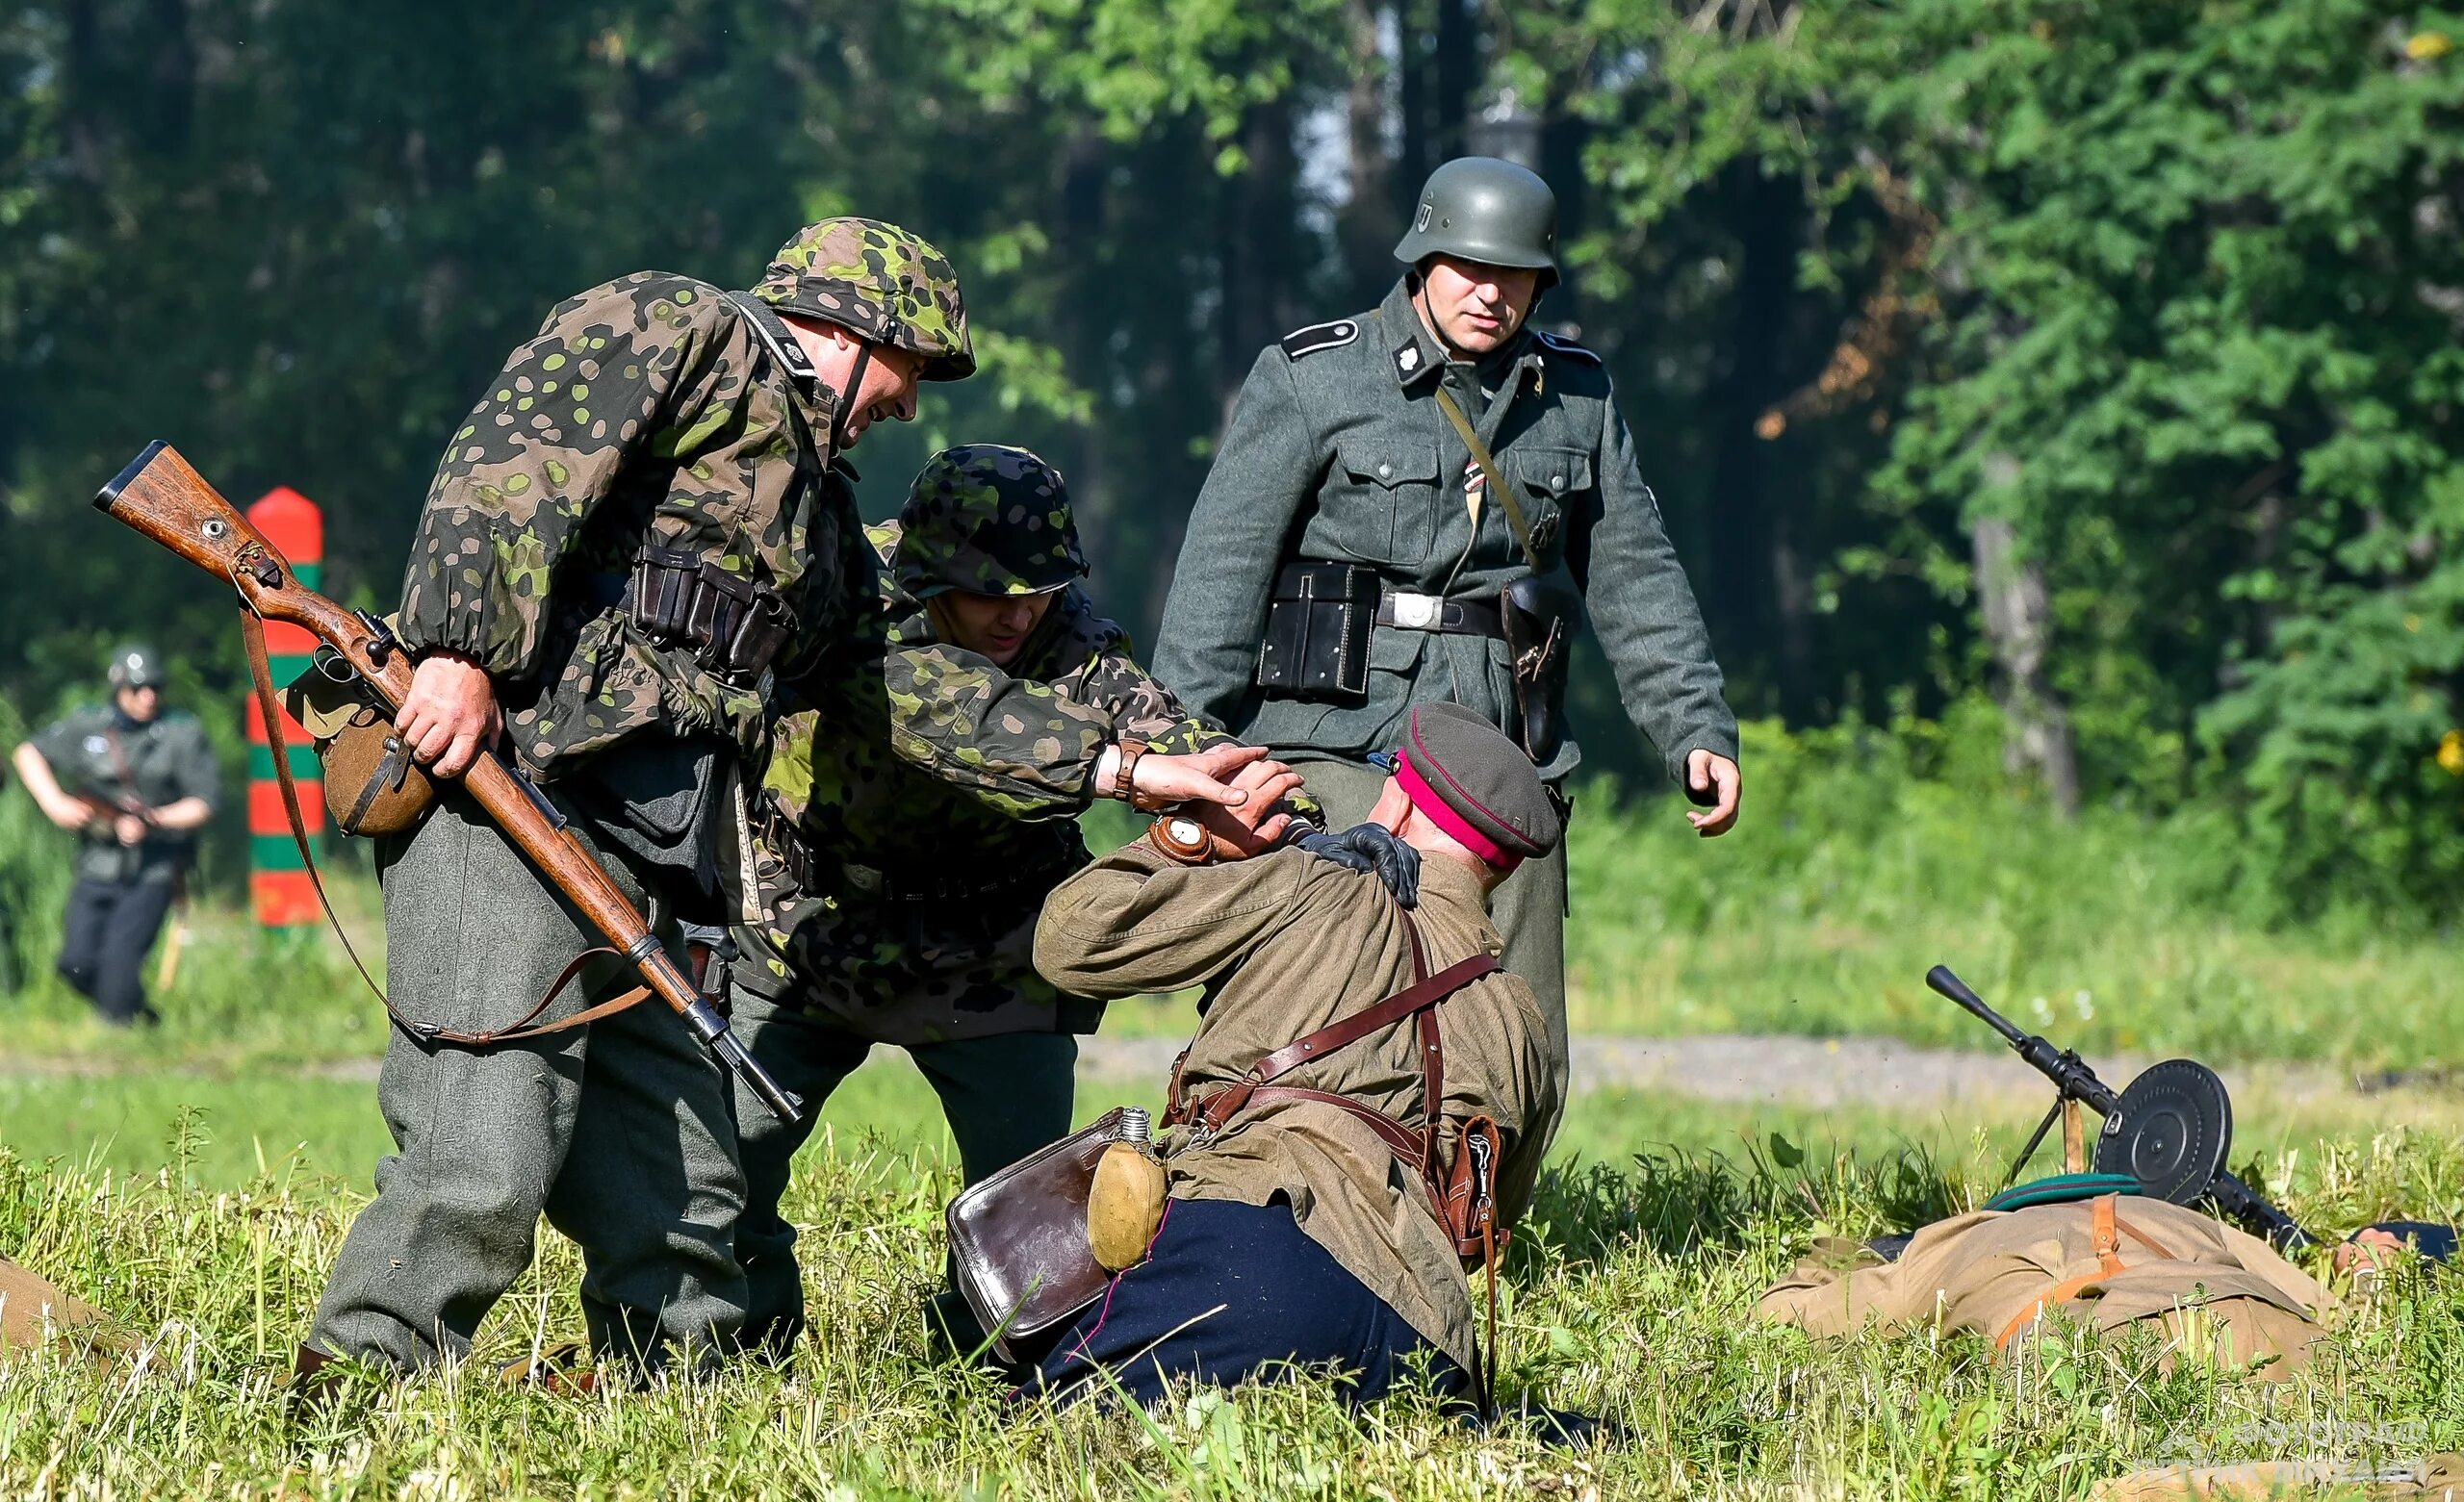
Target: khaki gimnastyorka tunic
1989, 1271
1285, 944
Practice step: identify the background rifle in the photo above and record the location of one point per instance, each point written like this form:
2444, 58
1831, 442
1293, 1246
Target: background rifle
161, 497
2075, 1081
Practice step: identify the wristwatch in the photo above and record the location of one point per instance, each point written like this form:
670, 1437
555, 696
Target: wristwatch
1126, 771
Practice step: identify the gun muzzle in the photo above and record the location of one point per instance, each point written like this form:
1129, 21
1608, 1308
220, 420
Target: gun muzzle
706, 1025
1947, 984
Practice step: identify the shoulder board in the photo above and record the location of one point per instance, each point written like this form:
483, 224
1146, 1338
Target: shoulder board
1560, 345
1320, 336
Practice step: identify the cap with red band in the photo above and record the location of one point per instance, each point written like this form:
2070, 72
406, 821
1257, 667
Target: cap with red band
1476, 784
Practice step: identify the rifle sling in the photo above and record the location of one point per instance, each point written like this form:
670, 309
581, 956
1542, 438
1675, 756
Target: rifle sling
1488, 463
427, 1034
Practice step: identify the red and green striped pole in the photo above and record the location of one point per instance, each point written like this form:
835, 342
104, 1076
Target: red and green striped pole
278, 885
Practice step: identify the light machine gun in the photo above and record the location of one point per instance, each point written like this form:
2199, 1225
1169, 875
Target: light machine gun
2171, 1129
161, 497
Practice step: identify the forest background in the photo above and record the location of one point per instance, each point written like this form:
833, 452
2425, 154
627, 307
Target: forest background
2068, 383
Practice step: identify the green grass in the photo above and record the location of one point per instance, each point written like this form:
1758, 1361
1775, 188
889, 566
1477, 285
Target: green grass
1849, 877
1629, 1290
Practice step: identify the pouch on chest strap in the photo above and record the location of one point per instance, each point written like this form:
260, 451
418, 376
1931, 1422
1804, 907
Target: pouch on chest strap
732, 625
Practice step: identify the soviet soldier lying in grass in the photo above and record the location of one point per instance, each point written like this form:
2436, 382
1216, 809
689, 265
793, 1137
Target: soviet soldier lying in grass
921, 803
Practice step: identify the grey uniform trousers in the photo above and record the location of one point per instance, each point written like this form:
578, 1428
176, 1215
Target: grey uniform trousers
1528, 907
1005, 1096
620, 1132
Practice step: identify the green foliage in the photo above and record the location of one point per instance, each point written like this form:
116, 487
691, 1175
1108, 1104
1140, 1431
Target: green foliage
2171, 292
1869, 853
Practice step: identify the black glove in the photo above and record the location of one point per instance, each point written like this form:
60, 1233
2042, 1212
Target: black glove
1372, 847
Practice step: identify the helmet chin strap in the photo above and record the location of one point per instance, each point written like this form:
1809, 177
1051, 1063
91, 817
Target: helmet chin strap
840, 437
1455, 352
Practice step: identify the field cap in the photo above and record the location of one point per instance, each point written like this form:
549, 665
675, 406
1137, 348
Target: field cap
1477, 785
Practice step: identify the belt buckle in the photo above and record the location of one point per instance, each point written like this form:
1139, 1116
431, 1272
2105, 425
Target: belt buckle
863, 880
1416, 612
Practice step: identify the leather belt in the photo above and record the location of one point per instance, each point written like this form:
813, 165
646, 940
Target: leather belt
1410, 612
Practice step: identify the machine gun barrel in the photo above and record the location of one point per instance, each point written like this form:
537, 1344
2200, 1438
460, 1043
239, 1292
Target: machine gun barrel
2068, 1072
2073, 1078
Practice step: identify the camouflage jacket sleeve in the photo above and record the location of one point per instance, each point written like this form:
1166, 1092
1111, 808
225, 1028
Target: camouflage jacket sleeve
538, 453
1027, 745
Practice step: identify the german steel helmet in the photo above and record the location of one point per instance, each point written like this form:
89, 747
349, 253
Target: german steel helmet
135, 665
1487, 210
883, 282
989, 519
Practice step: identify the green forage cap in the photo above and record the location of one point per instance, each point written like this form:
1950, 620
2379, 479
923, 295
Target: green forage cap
989, 519
880, 281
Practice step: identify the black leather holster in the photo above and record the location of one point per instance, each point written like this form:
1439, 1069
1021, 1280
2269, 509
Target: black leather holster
1539, 614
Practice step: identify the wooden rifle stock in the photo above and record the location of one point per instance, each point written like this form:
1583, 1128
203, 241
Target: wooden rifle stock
161, 497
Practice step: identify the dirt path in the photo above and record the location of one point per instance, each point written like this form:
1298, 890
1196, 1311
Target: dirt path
1814, 1073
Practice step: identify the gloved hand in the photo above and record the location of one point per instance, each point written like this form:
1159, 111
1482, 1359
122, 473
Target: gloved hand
1372, 847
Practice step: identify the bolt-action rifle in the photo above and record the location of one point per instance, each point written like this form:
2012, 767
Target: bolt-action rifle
161, 497
2171, 1129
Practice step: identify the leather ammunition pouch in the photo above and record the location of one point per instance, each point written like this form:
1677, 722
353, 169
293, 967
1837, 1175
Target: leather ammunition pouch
372, 784
1538, 613
1318, 622
734, 627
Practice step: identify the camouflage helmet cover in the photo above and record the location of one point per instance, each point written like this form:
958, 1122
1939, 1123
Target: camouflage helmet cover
880, 281
135, 665
1488, 209
989, 519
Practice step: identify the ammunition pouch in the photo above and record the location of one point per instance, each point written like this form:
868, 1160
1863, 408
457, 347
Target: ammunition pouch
1539, 614
1318, 622
734, 627
372, 785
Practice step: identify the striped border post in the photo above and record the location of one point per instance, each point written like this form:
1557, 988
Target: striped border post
278, 884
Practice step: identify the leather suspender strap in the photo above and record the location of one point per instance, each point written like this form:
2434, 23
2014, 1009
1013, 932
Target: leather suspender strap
253, 632
2105, 1226
1424, 993
1488, 463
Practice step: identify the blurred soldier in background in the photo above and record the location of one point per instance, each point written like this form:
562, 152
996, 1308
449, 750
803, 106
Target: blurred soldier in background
921, 804
134, 782
1350, 555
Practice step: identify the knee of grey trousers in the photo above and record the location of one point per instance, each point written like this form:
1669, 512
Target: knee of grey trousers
485, 1138
1528, 907
809, 1059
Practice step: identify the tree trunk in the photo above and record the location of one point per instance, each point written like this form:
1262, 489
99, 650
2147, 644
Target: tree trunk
2018, 612
1458, 63
1412, 90
1370, 222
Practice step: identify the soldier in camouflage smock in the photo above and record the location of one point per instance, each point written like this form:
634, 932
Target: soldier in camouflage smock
901, 883
642, 528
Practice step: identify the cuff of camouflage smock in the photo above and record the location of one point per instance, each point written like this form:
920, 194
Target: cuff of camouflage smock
468, 628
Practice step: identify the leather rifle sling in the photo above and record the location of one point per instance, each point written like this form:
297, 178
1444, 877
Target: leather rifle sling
252, 631
1488, 463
